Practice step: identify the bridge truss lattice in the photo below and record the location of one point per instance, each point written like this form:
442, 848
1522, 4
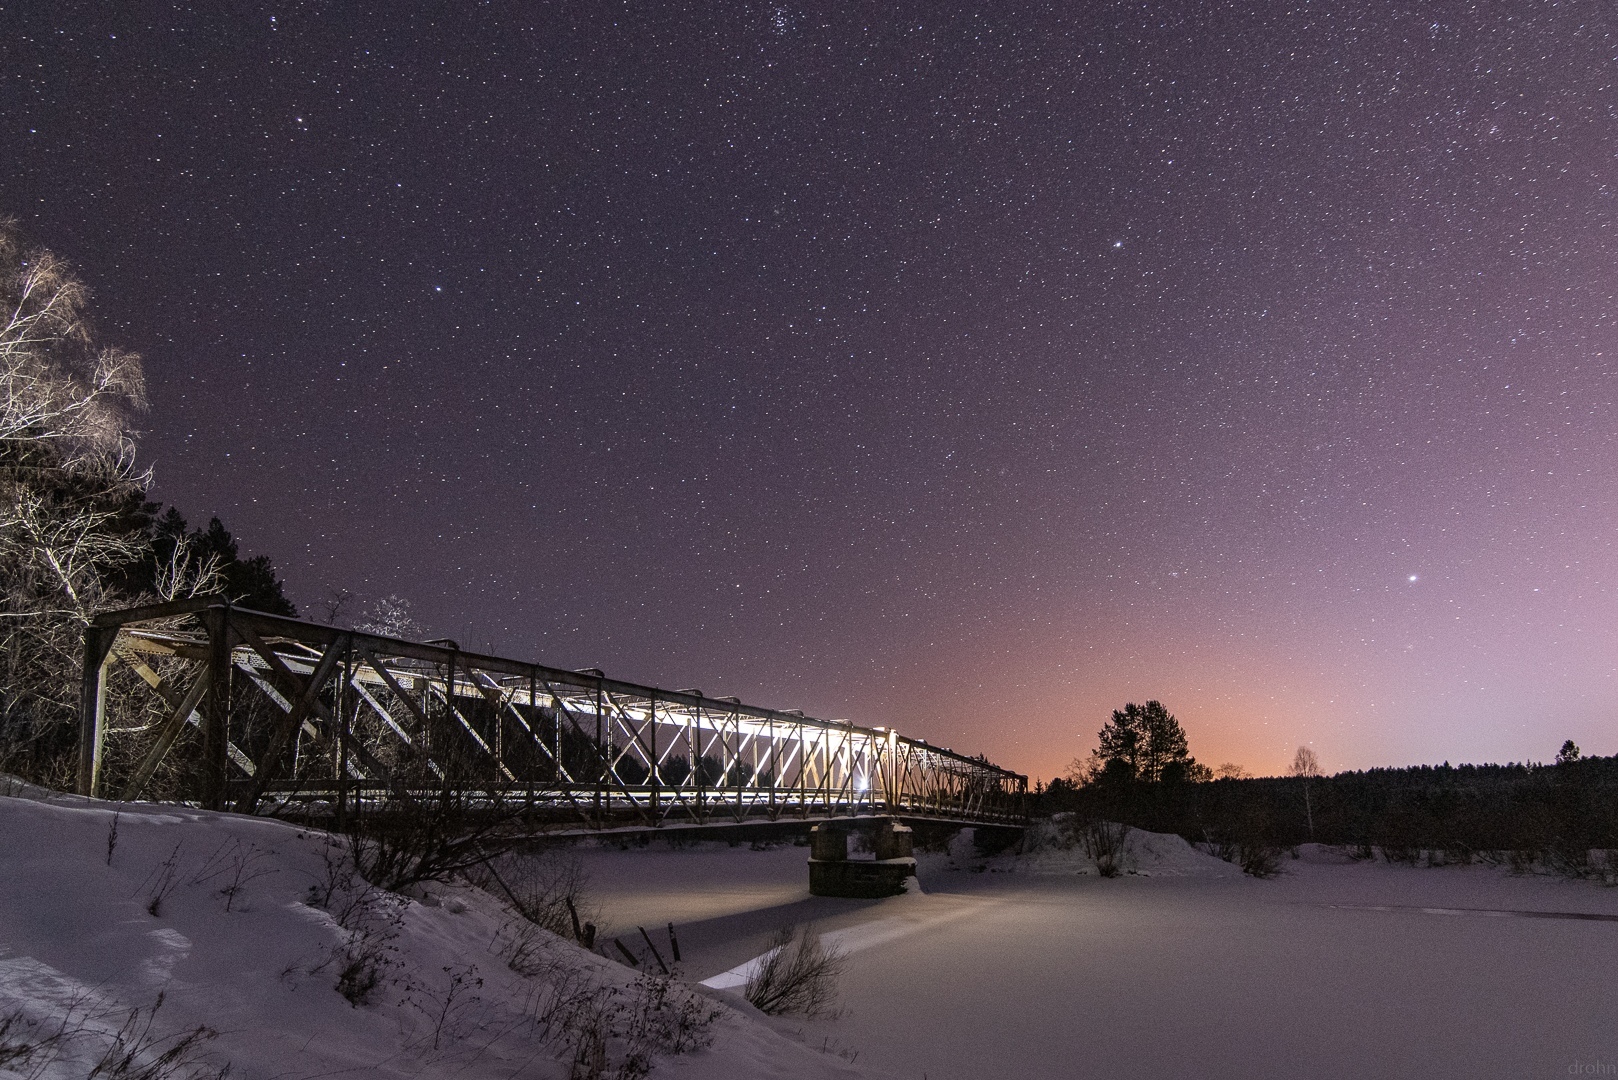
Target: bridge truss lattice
204, 702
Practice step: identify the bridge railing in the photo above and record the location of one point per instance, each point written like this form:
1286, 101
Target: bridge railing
201, 701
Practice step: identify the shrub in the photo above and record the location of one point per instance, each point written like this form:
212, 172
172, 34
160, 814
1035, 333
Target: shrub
1260, 859
1106, 842
1247, 837
369, 919
546, 888
797, 974
433, 839
136, 1051
604, 1031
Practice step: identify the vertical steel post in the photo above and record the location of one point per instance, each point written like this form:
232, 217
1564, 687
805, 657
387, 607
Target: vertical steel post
533, 711
694, 739
601, 757
449, 715
216, 707
890, 778
654, 779
499, 731
803, 770
775, 762
560, 773
344, 724
736, 759
93, 706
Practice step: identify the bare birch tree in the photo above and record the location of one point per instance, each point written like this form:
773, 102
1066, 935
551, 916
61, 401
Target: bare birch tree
1306, 766
59, 386
71, 496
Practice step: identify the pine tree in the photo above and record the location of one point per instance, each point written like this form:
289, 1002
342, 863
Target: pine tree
1146, 742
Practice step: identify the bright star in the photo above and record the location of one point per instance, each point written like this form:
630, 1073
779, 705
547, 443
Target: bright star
1412, 577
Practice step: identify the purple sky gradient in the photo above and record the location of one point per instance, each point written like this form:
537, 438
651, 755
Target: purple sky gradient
971, 369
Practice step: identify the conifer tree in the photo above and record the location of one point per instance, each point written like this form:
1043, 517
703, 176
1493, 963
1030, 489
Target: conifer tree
1146, 742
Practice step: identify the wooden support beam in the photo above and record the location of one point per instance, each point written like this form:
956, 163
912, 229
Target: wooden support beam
129, 658
376, 707
483, 744
167, 610
314, 705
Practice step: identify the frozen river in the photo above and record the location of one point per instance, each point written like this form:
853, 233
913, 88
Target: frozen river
1332, 969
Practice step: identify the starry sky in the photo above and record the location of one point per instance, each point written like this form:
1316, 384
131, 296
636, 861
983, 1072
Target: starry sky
968, 368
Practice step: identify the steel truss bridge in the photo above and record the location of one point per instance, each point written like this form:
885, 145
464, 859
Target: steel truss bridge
200, 701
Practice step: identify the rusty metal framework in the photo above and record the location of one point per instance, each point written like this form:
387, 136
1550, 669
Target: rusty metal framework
236, 709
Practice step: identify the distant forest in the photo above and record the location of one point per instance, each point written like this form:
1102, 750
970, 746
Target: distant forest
1547, 815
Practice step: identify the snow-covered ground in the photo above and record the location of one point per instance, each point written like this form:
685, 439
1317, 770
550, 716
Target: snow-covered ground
1026, 966
246, 927
1033, 966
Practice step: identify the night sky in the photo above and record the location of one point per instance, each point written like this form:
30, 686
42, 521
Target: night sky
969, 369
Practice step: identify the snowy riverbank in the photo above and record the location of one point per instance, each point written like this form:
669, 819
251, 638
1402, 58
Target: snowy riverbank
249, 929
1011, 964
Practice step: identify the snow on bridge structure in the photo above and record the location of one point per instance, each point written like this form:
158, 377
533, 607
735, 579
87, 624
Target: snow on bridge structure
204, 702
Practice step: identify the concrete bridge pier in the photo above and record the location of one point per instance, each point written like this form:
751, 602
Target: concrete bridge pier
833, 873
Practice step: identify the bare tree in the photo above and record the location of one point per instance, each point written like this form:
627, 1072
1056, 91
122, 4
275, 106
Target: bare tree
337, 603
1083, 770
1306, 766
390, 616
71, 497
58, 386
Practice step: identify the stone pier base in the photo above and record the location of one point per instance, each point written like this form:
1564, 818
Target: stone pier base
833, 873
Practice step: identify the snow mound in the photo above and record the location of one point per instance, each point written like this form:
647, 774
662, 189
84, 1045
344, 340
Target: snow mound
1052, 846
136, 928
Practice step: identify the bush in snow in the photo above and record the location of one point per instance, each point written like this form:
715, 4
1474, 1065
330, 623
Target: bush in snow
369, 919
798, 974
1248, 838
1106, 843
432, 839
604, 1031
83, 1042
546, 888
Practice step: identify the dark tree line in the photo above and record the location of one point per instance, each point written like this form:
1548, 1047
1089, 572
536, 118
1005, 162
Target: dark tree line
1142, 774
1549, 815
249, 581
